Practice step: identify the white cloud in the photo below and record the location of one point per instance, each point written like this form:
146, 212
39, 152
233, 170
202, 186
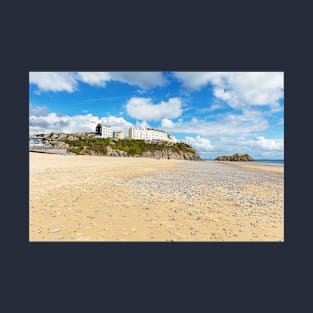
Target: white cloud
53, 81
239, 89
266, 148
197, 80
68, 81
230, 133
257, 147
166, 123
199, 143
53, 122
144, 109
142, 124
228, 124
117, 123
94, 78
269, 144
144, 80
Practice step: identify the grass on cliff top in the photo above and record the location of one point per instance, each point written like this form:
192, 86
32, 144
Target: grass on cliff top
132, 147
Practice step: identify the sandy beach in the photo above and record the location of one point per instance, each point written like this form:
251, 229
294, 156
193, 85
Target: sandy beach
91, 198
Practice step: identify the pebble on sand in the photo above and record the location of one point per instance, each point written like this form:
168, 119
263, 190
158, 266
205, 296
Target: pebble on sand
56, 230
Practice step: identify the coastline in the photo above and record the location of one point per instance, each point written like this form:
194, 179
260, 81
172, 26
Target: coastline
91, 198
257, 166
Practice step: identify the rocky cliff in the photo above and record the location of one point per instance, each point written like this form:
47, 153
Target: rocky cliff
87, 143
235, 157
164, 154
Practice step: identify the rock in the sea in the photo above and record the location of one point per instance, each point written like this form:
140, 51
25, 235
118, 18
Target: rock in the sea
235, 157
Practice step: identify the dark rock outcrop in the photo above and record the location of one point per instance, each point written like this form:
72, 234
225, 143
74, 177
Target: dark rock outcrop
235, 157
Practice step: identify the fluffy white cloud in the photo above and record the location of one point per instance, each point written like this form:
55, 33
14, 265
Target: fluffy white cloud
68, 81
257, 147
239, 89
199, 143
53, 122
269, 144
229, 124
53, 81
142, 124
196, 80
94, 78
144, 109
166, 123
144, 80
117, 123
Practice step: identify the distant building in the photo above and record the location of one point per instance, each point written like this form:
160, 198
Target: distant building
172, 139
152, 134
107, 132
99, 130
38, 142
118, 135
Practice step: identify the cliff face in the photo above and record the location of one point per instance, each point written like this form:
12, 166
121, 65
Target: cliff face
235, 157
164, 154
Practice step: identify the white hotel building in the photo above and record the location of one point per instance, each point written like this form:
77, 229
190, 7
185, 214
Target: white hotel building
107, 132
149, 134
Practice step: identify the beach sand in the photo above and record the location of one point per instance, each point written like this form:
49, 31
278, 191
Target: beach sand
90, 198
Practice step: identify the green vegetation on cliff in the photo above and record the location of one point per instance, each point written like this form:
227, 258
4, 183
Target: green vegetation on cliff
89, 145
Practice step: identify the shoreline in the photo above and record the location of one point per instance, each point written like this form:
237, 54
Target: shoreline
98, 198
257, 166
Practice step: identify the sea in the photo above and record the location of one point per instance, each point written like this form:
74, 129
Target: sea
269, 162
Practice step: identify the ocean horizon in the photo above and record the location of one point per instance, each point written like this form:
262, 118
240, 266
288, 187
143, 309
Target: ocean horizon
271, 162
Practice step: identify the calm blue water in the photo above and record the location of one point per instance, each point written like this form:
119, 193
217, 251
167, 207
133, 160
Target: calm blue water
272, 162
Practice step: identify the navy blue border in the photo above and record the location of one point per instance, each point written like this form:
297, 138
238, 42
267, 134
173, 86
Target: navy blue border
135, 35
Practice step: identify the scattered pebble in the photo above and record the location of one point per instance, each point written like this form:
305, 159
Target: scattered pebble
56, 230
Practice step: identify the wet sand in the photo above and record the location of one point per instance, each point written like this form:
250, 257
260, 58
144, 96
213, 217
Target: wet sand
89, 198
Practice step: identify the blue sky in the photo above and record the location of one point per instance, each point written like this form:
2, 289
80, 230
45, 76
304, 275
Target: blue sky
216, 112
